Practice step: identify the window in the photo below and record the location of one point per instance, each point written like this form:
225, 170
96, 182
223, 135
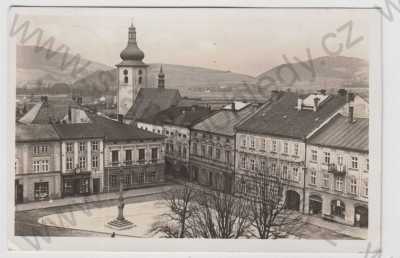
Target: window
95, 161
82, 146
41, 190
314, 155
84, 186
44, 148
68, 187
252, 143
154, 154
326, 180
82, 162
243, 161
69, 163
179, 150
128, 157
354, 162
142, 155
340, 160
113, 180
353, 185
140, 72
284, 172
45, 165
296, 174
365, 192
36, 149
367, 164
140, 80
125, 72
141, 178
339, 184
203, 150
184, 152
36, 166
262, 165
95, 146
327, 158
296, 149
243, 141
285, 148
218, 154
274, 146
227, 157
115, 157
273, 168
313, 177
127, 180
252, 165
151, 177
210, 152
262, 144
195, 148
70, 147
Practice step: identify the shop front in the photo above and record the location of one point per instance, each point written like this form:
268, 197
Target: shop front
76, 184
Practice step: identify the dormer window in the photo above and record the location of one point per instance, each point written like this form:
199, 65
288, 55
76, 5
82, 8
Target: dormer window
125, 76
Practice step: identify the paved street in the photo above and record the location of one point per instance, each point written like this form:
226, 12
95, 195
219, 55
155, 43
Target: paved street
26, 221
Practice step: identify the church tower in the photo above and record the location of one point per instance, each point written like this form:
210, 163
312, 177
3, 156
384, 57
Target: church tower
132, 73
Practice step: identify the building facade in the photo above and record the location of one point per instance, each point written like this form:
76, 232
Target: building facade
274, 141
37, 163
338, 167
212, 147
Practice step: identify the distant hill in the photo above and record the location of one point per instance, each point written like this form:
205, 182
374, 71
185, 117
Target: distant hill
330, 72
40, 67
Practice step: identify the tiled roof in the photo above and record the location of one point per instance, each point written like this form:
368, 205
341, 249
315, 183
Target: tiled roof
339, 133
53, 110
102, 127
281, 118
78, 131
224, 121
116, 131
179, 116
35, 132
150, 101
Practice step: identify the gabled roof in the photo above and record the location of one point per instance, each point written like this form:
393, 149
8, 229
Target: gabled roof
281, 118
179, 116
35, 133
44, 112
224, 121
340, 133
150, 101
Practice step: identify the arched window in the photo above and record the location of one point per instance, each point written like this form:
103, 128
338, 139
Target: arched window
140, 80
140, 72
125, 76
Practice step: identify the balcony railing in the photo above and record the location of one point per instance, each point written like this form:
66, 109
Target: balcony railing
338, 170
133, 163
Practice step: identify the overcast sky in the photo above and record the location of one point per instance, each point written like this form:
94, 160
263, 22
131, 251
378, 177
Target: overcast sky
248, 41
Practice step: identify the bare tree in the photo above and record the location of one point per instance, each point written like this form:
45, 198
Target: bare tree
269, 214
220, 215
173, 224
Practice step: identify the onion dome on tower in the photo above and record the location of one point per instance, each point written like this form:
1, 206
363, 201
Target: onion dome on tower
132, 54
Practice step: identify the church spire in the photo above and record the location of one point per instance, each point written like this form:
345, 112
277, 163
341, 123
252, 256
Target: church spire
161, 79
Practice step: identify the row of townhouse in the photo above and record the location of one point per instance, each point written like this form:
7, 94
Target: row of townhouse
60, 160
318, 144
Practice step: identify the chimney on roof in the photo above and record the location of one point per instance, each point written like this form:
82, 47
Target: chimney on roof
316, 103
342, 92
233, 106
299, 104
323, 92
350, 103
351, 114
